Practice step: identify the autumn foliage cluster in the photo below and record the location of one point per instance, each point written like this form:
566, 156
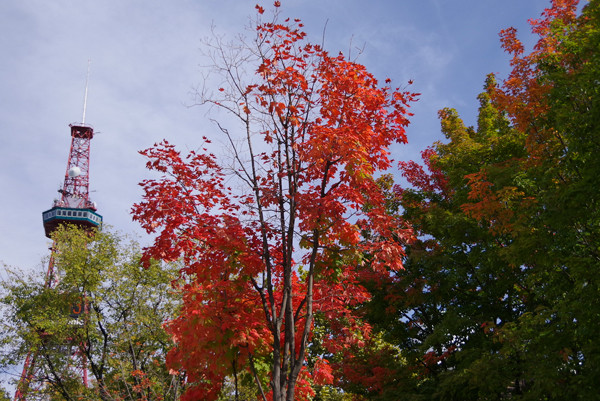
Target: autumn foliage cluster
291, 227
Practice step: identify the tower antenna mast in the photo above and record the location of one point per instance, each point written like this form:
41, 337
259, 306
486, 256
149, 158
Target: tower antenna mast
87, 79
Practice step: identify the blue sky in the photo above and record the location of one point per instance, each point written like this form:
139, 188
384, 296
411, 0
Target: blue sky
146, 60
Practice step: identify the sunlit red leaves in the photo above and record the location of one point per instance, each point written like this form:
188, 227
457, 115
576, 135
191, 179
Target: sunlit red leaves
337, 295
522, 93
359, 119
560, 15
346, 143
486, 205
432, 181
218, 325
326, 126
323, 374
510, 42
304, 387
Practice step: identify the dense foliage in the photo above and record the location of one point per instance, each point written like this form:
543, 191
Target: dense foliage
274, 236
499, 298
103, 314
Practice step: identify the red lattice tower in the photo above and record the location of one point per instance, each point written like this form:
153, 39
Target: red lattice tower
72, 208
75, 192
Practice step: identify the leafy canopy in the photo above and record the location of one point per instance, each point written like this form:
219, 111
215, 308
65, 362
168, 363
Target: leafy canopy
117, 334
274, 234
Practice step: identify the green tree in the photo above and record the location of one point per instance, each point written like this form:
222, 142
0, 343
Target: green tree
499, 297
118, 334
460, 281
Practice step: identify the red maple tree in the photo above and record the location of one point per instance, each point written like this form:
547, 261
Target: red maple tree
279, 231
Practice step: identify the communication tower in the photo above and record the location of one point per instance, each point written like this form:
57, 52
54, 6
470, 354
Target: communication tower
75, 208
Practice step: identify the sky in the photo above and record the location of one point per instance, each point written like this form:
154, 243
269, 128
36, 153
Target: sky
146, 60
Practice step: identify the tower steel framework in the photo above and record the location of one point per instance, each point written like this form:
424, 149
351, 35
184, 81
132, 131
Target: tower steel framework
75, 208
